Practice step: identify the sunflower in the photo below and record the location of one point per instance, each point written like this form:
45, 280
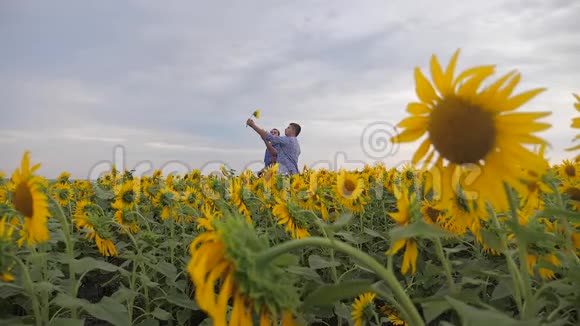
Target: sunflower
363, 308
403, 218
166, 200
576, 123
393, 316
239, 193
467, 126
286, 211
6, 245
544, 272
29, 201
569, 170
430, 212
226, 258
572, 190
349, 191
63, 193
256, 114
126, 195
86, 217
63, 178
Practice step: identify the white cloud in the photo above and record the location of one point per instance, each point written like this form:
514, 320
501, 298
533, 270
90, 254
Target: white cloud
175, 82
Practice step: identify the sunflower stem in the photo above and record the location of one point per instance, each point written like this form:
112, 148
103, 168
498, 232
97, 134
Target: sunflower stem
529, 302
446, 266
564, 221
29, 286
409, 310
69, 243
512, 267
333, 266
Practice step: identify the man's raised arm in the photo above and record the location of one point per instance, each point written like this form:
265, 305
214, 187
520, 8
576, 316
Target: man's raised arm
263, 133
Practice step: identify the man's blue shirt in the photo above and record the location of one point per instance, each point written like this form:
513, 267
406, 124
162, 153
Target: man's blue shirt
288, 152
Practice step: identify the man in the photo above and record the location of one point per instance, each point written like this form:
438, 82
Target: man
271, 152
288, 146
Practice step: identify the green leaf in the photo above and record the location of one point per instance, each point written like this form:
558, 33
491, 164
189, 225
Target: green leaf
44, 286
354, 238
419, 229
503, 289
11, 290
183, 316
149, 322
124, 294
161, 314
341, 222
87, 264
305, 272
491, 239
182, 300
473, 281
66, 322
472, 316
329, 294
317, 262
432, 309
286, 260
373, 233
109, 310
573, 217
165, 268
341, 310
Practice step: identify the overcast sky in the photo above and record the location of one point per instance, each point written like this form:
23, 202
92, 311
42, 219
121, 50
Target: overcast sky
169, 84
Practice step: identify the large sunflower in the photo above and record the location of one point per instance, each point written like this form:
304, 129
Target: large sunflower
225, 258
31, 202
466, 125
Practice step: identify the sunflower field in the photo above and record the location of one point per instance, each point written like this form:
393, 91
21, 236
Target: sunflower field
484, 231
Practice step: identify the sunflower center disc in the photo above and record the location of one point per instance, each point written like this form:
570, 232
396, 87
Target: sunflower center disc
570, 170
23, 200
349, 187
461, 132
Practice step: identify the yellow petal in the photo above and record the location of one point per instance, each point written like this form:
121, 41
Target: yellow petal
409, 135
423, 87
413, 122
518, 100
397, 246
470, 87
422, 151
505, 92
410, 257
418, 108
437, 74
475, 71
450, 71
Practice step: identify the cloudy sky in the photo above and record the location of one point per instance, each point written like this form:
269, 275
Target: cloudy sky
169, 84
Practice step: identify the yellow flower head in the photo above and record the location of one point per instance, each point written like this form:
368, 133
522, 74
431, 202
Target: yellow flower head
31, 202
226, 258
467, 124
256, 114
288, 213
403, 217
7, 245
363, 308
